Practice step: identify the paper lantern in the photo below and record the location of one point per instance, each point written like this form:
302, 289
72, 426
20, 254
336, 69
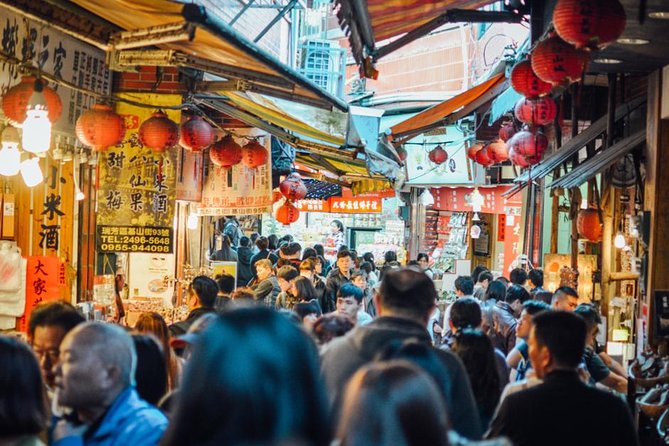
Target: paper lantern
15, 101
159, 132
254, 154
196, 134
287, 213
473, 150
526, 82
483, 157
589, 23
517, 159
589, 225
557, 62
401, 153
530, 145
536, 111
293, 188
226, 152
438, 155
100, 127
498, 151
507, 131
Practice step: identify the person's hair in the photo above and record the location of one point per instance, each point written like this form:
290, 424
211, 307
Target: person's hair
155, 324
366, 267
54, 314
485, 275
408, 291
344, 253
358, 273
534, 307
517, 292
151, 370
288, 238
563, 333
562, 292
322, 260
342, 248
250, 375
308, 253
589, 314
303, 309
308, 264
304, 289
369, 257
339, 225
262, 242
272, 241
354, 254
320, 250
244, 241
465, 285
496, 290
466, 312
413, 263
401, 406
243, 293
23, 402
478, 355
330, 326
504, 280
478, 269
350, 290
390, 256
537, 277
287, 273
518, 276
226, 283
422, 255
544, 296
254, 237
206, 290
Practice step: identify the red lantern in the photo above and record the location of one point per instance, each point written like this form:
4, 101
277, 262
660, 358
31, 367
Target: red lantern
517, 159
530, 145
293, 188
254, 154
525, 82
226, 152
196, 134
484, 158
438, 155
402, 153
589, 23
536, 111
589, 225
100, 127
473, 150
498, 151
287, 213
159, 132
16, 100
557, 62
506, 131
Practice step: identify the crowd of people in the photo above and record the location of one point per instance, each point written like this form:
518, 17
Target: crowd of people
296, 351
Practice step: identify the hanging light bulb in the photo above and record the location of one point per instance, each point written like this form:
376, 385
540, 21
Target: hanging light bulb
78, 194
10, 157
36, 136
619, 240
192, 221
31, 172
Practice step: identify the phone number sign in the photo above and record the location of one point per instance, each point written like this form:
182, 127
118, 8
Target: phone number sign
134, 239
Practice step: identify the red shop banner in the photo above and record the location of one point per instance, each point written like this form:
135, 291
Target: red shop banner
340, 205
458, 199
45, 276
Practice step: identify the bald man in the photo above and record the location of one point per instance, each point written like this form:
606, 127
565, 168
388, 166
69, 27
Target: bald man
95, 378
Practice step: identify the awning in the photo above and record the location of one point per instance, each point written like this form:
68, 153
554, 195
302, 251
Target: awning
451, 110
216, 48
603, 159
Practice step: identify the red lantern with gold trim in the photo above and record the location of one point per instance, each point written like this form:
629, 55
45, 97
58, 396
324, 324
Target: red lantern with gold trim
15, 101
100, 127
498, 151
473, 150
556, 62
293, 188
159, 132
589, 23
526, 82
589, 225
254, 154
438, 155
287, 213
536, 111
226, 152
484, 157
196, 134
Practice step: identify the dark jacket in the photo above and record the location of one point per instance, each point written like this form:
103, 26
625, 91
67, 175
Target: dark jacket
244, 272
224, 255
564, 411
267, 290
179, 328
346, 354
334, 281
504, 327
264, 254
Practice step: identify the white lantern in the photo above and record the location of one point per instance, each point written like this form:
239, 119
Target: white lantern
31, 172
192, 221
10, 157
36, 131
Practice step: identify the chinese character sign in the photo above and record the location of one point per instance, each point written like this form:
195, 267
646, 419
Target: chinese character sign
356, 205
239, 190
43, 283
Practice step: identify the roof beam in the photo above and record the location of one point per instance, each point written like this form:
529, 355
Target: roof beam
154, 35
